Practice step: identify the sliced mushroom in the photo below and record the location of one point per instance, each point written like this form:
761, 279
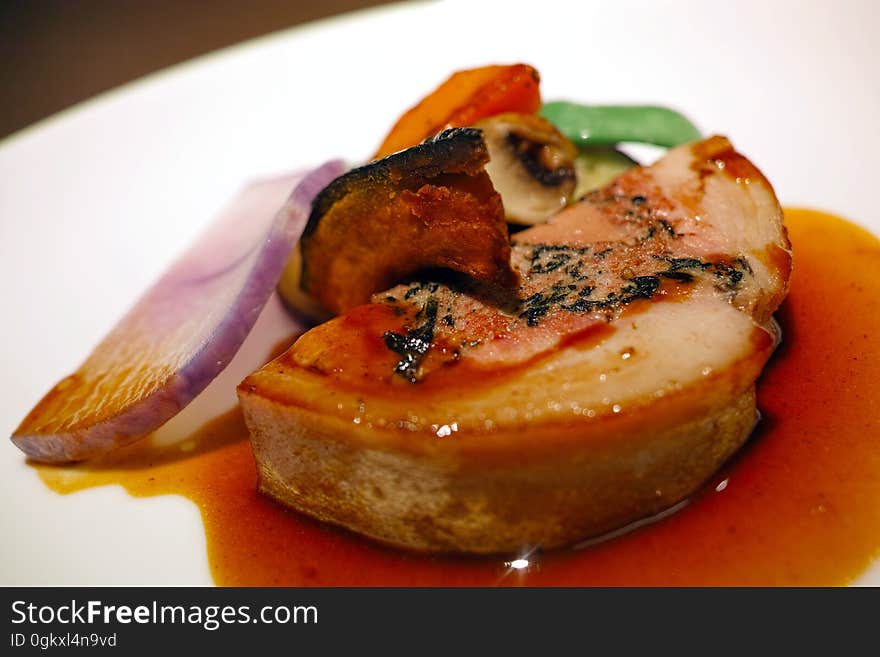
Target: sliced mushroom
531, 165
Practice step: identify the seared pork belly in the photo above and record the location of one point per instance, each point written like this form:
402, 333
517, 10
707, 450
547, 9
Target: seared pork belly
440, 418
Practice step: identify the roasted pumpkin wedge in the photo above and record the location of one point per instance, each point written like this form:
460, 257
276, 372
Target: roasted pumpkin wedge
431, 206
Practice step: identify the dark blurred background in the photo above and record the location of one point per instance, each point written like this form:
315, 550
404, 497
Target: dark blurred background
54, 53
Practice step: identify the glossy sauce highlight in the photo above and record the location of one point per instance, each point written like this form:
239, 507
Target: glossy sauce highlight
799, 504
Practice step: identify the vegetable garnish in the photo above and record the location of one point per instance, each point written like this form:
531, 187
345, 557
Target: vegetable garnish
182, 332
596, 166
466, 97
531, 165
432, 205
614, 124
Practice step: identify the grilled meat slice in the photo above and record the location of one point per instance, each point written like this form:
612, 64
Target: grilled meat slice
440, 419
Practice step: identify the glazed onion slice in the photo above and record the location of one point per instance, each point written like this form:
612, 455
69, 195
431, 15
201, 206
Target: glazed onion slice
182, 333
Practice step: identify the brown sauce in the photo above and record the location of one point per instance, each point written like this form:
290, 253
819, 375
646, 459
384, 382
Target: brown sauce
799, 505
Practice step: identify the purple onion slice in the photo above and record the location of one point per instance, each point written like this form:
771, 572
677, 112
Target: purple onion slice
182, 332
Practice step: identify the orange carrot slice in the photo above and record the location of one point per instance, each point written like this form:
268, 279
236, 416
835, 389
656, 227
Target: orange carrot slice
467, 96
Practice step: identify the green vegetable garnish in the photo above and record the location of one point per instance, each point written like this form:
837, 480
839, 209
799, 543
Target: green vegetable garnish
596, 125
596, 166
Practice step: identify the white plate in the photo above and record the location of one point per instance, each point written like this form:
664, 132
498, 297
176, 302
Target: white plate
94, 202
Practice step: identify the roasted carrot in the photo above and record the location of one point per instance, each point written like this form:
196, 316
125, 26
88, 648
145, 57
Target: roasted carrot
465, 97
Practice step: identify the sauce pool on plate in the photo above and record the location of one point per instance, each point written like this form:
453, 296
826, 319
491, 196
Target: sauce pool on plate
798, 505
